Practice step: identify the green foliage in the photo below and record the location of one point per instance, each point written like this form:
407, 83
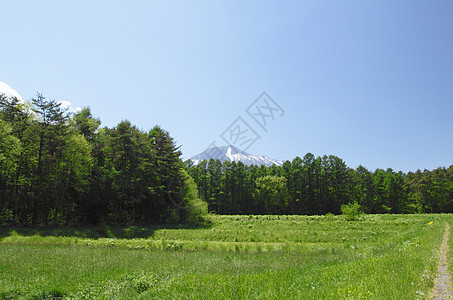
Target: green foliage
84, 123
196, 209
386, 209
317, 185
351, 211
330, 216
7, 217
57, 168
10, 147
272, 192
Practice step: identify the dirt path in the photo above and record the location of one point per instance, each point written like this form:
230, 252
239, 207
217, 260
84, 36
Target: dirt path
442, 287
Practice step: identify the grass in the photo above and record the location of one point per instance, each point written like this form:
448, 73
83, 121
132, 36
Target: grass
238, 257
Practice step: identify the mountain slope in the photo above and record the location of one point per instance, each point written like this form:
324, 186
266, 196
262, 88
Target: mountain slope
9, 91
232, 153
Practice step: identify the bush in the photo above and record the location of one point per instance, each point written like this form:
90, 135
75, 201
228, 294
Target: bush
351, 211
330, 216
196, 208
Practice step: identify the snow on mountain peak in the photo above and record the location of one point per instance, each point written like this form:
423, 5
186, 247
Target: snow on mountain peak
232, 153
9, 91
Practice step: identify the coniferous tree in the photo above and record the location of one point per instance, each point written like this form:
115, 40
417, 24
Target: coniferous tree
51, 129
167, 164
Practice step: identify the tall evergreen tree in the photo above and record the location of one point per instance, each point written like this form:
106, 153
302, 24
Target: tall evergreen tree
168, 181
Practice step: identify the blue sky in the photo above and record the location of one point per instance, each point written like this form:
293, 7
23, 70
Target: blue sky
368, 81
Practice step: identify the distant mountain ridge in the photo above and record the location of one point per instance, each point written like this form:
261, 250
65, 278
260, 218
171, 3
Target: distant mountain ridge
232, 153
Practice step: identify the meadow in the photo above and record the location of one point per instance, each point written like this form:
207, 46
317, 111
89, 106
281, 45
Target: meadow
236, 257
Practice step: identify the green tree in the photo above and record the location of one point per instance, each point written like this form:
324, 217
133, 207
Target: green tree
84, 123
51, 128
122, 169
214, 170
363, 188
10, 149
73, 175
22, 123
195, 209
272, 194
395, 193
167, 164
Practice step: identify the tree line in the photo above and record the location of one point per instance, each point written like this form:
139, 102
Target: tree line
319, 185
60, 168
64, 169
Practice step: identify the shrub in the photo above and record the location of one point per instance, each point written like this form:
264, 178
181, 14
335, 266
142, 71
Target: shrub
351, 211
330, 216
196, 208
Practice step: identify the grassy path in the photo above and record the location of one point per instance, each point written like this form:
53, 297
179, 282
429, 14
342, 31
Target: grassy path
442, 287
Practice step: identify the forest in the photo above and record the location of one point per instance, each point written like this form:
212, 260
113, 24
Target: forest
61, 168
58, 168
319, 185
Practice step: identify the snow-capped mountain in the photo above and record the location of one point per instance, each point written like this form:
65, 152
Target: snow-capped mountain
232, 153
9, 91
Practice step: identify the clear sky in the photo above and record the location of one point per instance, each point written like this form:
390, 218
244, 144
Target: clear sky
368, 81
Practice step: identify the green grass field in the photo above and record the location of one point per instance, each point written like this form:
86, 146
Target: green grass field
238, 257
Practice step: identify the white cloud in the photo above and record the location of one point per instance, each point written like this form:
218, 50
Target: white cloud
9, 91
71, 109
